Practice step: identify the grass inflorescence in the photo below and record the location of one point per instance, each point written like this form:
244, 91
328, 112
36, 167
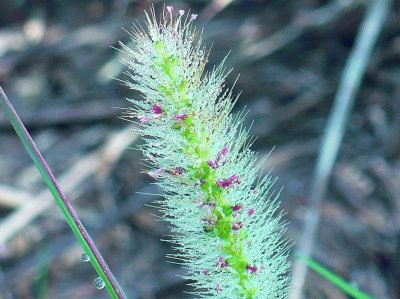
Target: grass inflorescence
225, 221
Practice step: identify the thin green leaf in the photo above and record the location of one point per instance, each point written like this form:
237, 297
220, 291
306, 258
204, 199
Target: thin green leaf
71, 217
333, 278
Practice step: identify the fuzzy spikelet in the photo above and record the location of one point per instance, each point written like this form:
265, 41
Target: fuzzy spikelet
229, 236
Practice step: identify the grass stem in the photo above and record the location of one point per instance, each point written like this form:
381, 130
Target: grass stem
97, 260
353, 73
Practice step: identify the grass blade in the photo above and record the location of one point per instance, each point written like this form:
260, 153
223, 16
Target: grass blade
372, 24
70, 215
334, 279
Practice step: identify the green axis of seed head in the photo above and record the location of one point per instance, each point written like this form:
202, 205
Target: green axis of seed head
222, 230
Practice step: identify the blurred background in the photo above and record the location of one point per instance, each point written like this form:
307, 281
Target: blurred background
56, 64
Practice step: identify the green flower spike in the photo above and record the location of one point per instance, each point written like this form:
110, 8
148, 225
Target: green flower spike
225, 224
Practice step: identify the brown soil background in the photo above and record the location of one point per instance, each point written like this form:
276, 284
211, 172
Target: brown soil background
55, 59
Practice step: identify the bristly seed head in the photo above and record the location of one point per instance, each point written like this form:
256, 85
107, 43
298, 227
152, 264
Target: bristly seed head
200, 155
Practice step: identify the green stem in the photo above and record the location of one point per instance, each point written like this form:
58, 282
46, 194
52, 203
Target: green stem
333, 278
98, 262
233, 243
